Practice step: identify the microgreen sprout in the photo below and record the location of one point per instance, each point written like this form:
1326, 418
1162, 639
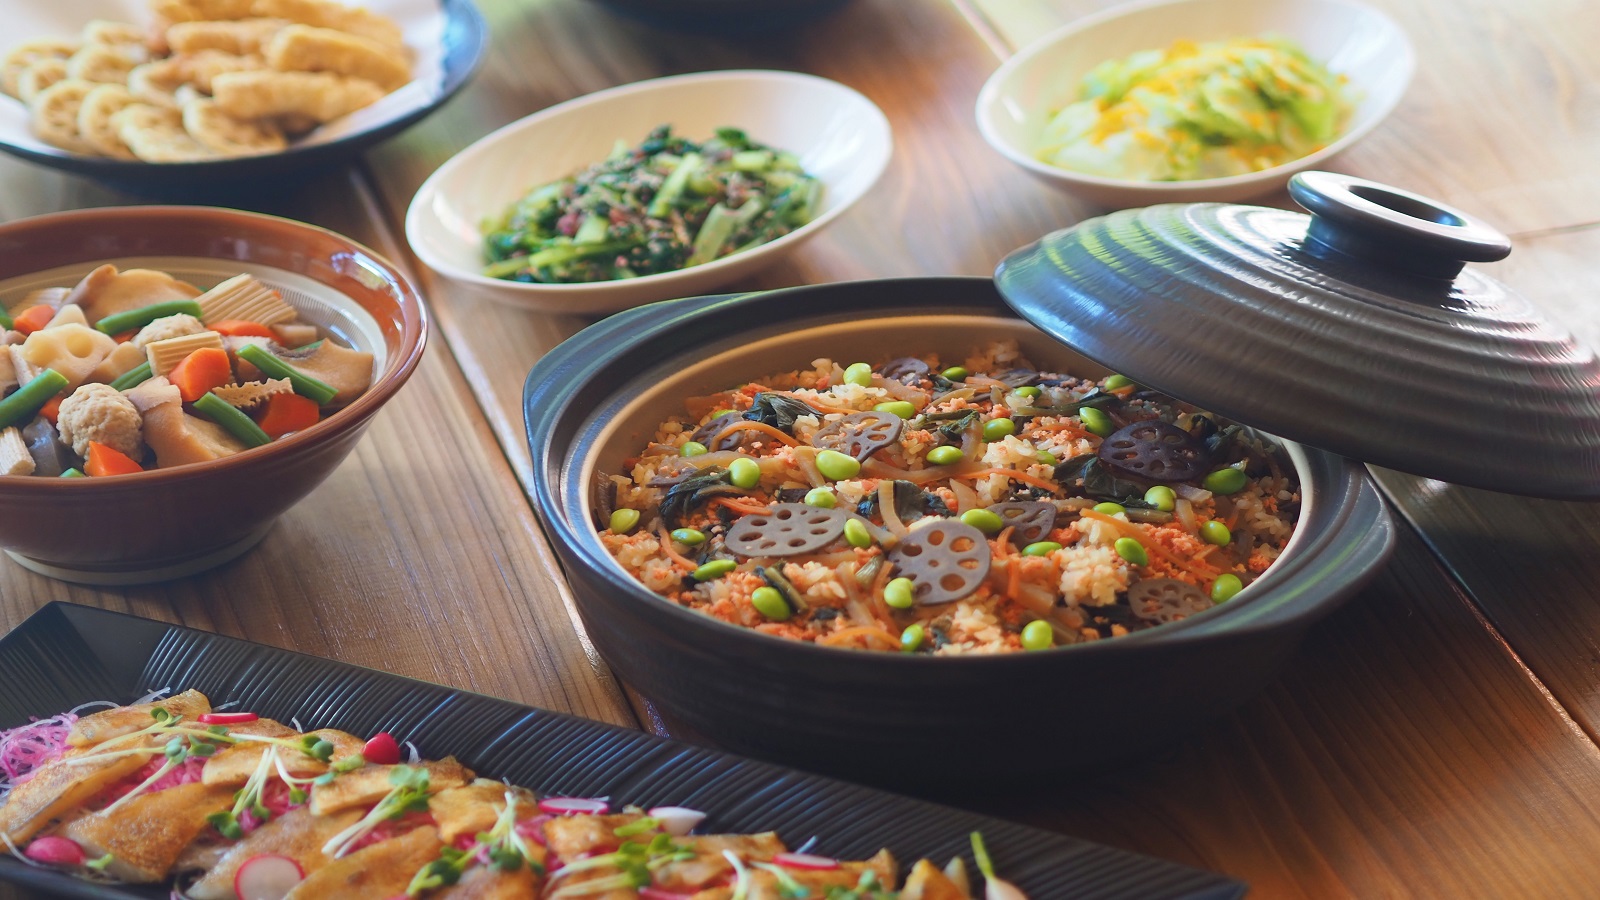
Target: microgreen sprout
99, 865
788, 887
741, 883
502, 845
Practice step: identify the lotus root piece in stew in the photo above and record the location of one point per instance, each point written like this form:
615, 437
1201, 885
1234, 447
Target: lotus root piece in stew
926, 505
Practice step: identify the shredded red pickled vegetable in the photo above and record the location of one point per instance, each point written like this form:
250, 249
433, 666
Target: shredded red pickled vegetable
27, 747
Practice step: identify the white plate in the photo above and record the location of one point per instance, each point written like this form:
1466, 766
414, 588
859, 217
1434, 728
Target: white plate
1351, 39
838, 134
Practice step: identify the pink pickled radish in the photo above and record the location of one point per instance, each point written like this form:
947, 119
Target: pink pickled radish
267, 877
55, 851
677, 820
805, 861
568, 806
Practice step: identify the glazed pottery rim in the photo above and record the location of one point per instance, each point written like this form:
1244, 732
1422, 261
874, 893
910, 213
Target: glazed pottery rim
412, 343
989, 97
580, 291
582, 540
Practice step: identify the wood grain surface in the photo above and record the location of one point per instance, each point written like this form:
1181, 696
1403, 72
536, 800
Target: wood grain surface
1426, 741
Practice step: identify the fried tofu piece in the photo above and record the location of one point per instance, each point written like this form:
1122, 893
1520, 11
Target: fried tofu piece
317, 96
369, 784
383, 869
103, 726
101, 293
146, 835
305, 48
296, 834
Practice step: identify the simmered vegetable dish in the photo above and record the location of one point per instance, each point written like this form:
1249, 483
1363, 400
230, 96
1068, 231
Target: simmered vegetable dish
240, 807
976, 508
134, 370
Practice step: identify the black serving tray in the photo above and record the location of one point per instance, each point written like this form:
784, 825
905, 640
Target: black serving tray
66, 654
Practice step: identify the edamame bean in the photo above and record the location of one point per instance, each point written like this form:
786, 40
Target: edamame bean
911, 638
715, 568
858, 374
898, 593
689, 537
1117, 382
720, 413
998, 429
1110, 509
945, 456
770, 603
1132, 551
1214, 532
692, 448
1047, 458
954, 373
1225, 481
1028, 391
984, 520
623, 520
901, 408
1037, 635
1041, 548
1226, 585
1096, 421
837, 466
744, 473
1161, 497
856, 534
821, 498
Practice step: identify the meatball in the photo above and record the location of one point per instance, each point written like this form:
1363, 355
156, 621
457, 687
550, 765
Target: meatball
99, 412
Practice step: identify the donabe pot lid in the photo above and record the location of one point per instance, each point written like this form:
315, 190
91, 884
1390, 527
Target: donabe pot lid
1357, 329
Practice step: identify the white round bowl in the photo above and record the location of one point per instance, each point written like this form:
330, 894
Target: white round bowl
838, 134
1350, 38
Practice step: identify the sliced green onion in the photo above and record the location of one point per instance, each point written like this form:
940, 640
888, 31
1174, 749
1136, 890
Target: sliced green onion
672, 188
556, 254
304, 385
133, 377
714, 233
117, 323
592, 231
72, 473
26, 400
237, 423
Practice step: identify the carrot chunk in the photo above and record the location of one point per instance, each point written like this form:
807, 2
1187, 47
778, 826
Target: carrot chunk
33, 318
285, 413
51, 409
201, 372
241, 328
105, 461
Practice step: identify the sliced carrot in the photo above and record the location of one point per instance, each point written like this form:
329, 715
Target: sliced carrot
33, 318
674, 555
241, 328
201, 372
749, 510
285, 413
1014, 475
104, 460
52, 408
870, 634
762, 427
125, 336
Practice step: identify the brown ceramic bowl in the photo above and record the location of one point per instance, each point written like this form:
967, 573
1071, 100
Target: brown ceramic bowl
169, 522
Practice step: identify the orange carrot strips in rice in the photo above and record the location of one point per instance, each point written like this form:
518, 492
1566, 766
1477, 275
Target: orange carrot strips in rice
1013, 474
1138, 534
762, 427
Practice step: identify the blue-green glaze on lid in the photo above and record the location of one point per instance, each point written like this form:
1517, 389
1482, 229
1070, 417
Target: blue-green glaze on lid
1356, 329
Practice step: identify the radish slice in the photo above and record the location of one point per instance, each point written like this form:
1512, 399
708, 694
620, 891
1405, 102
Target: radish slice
809, 861
239, 718
382, 750
267, 877
1000, 889
55, 851
677, 820
570, 806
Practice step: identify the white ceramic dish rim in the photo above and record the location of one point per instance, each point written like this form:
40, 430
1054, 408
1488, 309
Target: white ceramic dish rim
423, 199
990, 95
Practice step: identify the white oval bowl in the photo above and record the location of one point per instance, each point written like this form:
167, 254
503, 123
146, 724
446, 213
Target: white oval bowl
1350, 38
838, 134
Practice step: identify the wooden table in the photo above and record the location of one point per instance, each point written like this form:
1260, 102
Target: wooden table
1435, 737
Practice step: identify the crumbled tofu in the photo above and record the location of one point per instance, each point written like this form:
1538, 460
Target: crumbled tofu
99, 412
169, 327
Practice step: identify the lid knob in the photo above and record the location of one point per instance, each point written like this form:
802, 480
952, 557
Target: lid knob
1367, 222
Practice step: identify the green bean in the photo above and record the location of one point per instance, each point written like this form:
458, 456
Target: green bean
689, 537
859, 374
1214, 532
999, 429
945, 456
837, 466
1131, 550
1038, 635
26, 400
1226, 481
133, 377
744, 473
117, 323
1226, 585
856, 534
304, 385
237, 423
821, 498
715, 568
6, 321
691, 448
984, 520
770, 603
898, 593
623, 520
901, 408
1161, 497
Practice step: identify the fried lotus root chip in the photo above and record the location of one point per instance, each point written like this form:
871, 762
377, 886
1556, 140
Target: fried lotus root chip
156, 134
105, 31
1155, 450
105, 63
1031, 519
39, 76
318, 96
203, 68
945, 561
787, 529
26, 54
157, 83
94, 119
226, 136
55, 114
906, 369
304, 48
1166, 599
860, 434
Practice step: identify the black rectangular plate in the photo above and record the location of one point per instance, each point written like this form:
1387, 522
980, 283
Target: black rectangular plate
66, 654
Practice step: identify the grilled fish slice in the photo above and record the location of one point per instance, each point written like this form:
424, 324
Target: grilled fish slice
489, 883
708, 864
147, 834
111, 723
57, 788
927, 882
236, 764
369, 784
296, 834
763, 885
477, 807
383, 869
